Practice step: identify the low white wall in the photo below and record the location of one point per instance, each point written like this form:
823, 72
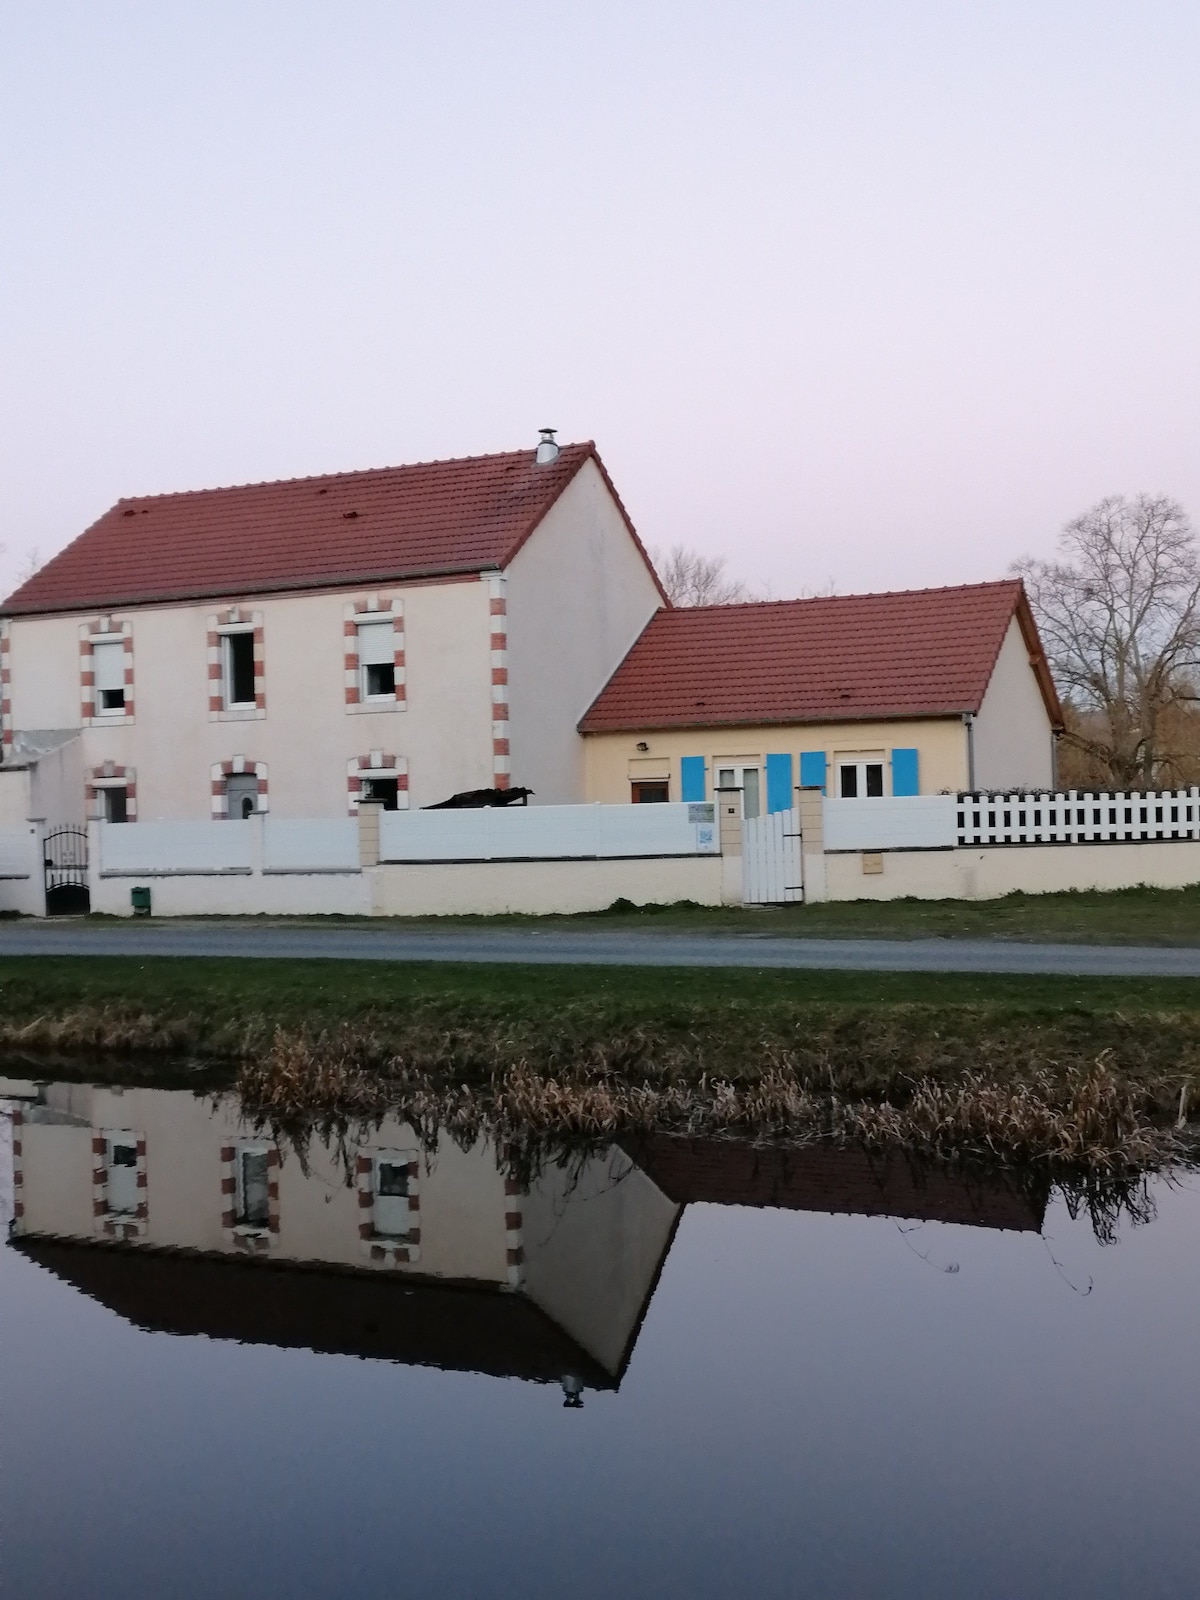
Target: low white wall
260, 867
22, 877
989, 873
540, 888
521, 833
248, 894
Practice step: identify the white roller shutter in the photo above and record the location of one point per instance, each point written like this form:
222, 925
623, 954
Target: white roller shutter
376, 644
108, 665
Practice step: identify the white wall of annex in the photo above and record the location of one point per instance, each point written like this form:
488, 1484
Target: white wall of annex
1013, 736
308, 734
579, 593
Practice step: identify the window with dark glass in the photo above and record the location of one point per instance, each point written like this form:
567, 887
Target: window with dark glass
252, 1196
377, 660
385, 791
108, 670
116, 803
655, 792
239, 669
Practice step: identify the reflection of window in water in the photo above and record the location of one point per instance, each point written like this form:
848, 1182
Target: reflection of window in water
121, 1191
391, 1196
253, 1209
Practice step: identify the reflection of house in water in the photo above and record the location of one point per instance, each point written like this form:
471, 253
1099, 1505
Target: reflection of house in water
171, 1211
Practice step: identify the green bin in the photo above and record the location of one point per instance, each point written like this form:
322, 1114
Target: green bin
140, 900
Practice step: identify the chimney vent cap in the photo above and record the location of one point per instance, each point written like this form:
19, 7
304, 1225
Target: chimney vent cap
547, 450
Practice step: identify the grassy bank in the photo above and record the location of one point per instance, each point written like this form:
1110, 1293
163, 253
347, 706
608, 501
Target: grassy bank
1094, 1070
1126, 916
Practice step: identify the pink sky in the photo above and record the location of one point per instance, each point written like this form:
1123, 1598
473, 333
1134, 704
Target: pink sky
877, 293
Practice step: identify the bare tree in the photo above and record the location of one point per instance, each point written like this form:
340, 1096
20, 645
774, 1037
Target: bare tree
1119, 612
30, 565
691, 579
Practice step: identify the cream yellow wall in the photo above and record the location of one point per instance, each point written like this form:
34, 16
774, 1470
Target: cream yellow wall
307, 734
613, 760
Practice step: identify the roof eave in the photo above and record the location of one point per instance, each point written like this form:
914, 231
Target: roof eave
307, 585
791, 720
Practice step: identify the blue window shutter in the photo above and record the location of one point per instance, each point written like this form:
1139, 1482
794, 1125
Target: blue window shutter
812, 769
692, 775
779, 783
906, 772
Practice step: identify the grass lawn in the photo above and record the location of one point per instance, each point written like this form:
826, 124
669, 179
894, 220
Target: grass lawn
209, 1002
1124, 916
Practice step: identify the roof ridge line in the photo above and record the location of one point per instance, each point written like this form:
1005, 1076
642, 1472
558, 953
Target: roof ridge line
348, 472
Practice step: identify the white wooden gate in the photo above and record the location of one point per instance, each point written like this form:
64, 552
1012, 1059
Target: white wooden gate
771, 870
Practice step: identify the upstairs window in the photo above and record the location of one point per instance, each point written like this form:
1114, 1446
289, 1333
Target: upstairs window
376, 661
108, 667
252, 1188
237, 669
122, 1186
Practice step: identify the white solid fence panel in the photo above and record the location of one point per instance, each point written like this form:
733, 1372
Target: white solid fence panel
899, 822
771, 860
548, 833
1077, 817
175, 847
310, 844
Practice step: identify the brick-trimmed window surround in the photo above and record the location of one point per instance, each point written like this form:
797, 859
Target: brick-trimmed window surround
6, 721
220, 773
250, 1194
375, 677
103, 785
18, 1168
389, 1206
514, 1232
106, 673
120, 1207
377, 770
223, 674
498, 606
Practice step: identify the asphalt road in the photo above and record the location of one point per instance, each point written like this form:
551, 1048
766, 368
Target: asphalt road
580, 947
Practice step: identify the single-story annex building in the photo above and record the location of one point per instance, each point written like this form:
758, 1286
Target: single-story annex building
914, 692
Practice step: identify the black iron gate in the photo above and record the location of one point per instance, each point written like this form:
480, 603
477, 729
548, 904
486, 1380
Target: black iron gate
66, 864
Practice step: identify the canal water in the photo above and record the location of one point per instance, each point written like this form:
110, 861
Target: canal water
665, 1368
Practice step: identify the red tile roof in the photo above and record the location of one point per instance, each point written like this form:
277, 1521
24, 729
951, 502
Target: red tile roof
434, 518
913, 653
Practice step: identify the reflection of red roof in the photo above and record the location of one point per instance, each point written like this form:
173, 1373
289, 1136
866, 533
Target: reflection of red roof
435, 518
914, 653
835, 1178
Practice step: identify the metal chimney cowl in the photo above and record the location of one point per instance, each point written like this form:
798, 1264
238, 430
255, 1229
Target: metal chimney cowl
547, 450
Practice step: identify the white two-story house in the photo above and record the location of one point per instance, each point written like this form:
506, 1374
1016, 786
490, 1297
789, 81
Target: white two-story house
402, 634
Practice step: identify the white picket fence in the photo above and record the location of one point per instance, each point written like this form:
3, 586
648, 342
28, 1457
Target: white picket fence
1077, 817
772, 872
548, 833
